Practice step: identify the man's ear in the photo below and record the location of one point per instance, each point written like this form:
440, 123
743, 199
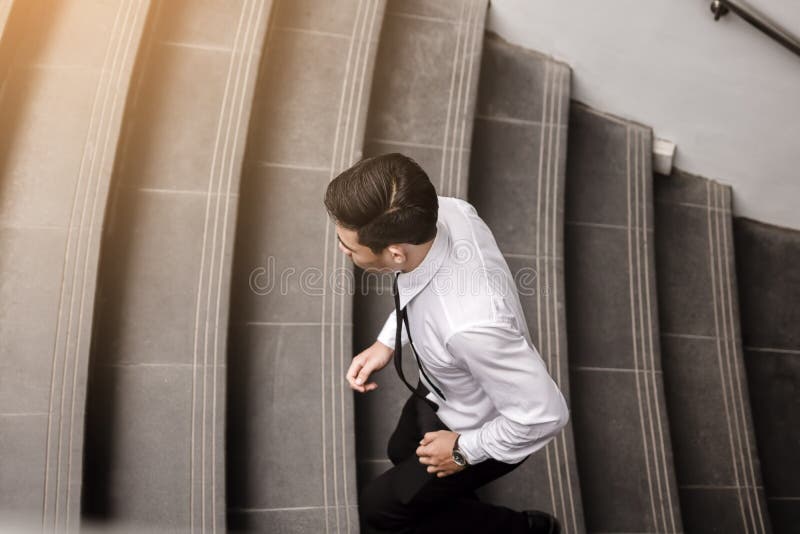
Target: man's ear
397, 252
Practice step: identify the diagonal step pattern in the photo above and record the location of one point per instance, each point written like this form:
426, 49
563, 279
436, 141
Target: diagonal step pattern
716, 461
517, 185
291, 448
422, 105
769, 291
66, 71
155, 440
621, 428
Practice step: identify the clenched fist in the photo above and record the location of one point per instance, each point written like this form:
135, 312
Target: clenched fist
436, 451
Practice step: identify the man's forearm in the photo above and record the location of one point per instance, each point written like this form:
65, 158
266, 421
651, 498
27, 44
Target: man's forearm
507, 441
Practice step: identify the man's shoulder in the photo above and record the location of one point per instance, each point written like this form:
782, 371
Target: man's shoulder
454, 203
459, 216
476, 285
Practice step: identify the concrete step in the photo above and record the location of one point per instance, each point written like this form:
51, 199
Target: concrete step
65, 69
422, 104
619, 414
291, 446
517, 185
769, 292
155, 436
716, 462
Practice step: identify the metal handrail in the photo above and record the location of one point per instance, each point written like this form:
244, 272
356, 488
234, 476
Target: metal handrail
757, 19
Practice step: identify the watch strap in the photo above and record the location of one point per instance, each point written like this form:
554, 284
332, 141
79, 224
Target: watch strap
455, 448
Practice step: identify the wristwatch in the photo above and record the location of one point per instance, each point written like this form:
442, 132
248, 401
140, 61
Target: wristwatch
458, 455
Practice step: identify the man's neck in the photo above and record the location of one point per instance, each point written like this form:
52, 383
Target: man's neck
416, 255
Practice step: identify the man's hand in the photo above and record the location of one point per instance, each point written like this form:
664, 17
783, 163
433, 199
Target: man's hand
364, 363
436, 451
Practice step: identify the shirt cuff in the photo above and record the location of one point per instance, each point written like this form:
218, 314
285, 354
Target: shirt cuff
470, 446
388, 342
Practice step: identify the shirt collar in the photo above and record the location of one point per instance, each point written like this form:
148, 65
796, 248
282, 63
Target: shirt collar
411, 283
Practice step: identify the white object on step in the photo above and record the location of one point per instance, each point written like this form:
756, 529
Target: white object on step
663, 153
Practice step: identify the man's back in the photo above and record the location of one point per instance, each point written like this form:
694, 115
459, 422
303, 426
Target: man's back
496, 402
486, 289
469, 331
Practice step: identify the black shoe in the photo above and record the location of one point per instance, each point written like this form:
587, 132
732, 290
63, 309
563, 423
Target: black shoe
542, 522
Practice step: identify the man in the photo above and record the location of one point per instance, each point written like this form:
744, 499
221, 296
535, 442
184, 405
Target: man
485, 401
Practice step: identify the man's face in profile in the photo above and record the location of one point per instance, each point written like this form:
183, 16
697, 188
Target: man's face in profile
362, 256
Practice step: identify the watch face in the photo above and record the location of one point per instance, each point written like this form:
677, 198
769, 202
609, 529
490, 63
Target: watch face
458, 458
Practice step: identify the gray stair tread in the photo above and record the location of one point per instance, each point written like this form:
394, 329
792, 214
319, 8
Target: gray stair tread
425, 84
156, 425
517, 185
291, 445
60, 115
422, 105
716, 461
769, 292
618, 411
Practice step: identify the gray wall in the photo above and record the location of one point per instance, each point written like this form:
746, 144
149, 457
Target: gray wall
725, 93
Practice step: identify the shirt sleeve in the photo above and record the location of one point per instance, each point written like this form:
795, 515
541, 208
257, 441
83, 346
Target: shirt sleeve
513, 375
389, 331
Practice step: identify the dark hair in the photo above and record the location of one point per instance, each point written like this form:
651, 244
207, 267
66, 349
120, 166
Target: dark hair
386, 199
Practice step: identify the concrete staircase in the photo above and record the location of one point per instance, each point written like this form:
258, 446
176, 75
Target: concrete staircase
176, 319
769, 292
716, 461
61, 111
422, 105
291, 442
619, 414
162, 307
517, 185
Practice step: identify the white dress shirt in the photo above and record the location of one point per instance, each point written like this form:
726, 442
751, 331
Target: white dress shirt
471, 336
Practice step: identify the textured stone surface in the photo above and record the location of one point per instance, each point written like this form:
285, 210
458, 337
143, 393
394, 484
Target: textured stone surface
716, 461
769, 293
422, 105
157, 400
425, 84
517, 185
619, 414
165, 418
65, 69
291, 459
130, 479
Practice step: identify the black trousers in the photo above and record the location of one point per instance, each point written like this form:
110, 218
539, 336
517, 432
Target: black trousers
408, 499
